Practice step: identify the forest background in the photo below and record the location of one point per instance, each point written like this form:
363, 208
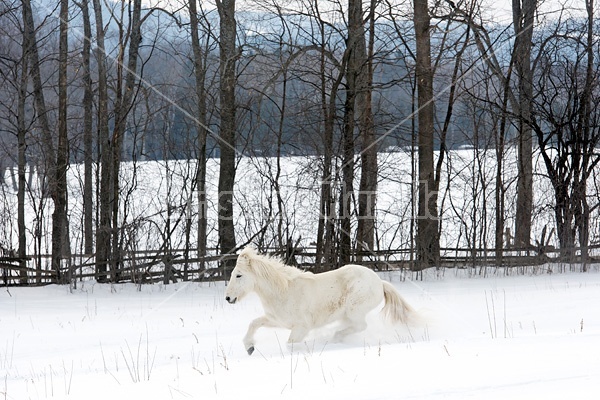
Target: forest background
392, 133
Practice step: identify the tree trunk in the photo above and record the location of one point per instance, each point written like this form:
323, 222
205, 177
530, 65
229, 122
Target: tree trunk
499, 192
283, 237
88, 137
228, 58
103, 233
326, 227
523, 16
367, 192
357, 114
428, 247
200, 75
55, 163
59, 193
123, 105
325, 195
564, 222
21, 160
347, 189
584, 117
38, 92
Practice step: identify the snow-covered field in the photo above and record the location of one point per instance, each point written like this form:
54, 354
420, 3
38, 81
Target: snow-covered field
516, 337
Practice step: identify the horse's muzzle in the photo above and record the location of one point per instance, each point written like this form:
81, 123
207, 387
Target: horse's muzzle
230, 300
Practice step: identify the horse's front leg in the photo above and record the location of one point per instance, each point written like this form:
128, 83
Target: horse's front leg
252, 328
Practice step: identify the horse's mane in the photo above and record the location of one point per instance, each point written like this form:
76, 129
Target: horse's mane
270, 269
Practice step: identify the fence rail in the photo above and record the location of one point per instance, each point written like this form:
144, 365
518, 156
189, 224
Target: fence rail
149, 266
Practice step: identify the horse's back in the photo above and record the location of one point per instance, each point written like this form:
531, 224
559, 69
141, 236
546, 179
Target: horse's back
351, 270
352, 286
361, 274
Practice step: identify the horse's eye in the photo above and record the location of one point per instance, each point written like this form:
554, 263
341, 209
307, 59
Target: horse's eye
238, 276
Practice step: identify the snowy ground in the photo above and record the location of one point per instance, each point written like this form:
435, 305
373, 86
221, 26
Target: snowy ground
519, 337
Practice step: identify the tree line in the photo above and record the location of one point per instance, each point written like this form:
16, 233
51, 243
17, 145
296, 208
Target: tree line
95, 84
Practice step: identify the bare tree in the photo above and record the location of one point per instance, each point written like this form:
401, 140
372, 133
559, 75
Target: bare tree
60, 238
347, 187
367, 191
503, 112
565, 120
228, 57
357, 117
21, 160
88, 137
329, 98
130, 38
55, 160
523, 18
428, 246
200, 65
500, 186
587, 120
103, 233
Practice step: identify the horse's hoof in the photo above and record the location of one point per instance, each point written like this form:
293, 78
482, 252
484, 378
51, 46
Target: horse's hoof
250, 350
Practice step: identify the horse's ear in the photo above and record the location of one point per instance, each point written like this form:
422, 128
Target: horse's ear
246, 255
248, 252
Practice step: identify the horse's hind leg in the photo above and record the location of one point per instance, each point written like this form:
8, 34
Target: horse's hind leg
350, 326
297, 334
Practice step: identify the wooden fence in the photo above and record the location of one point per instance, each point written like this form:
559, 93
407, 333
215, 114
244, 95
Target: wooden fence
177, 265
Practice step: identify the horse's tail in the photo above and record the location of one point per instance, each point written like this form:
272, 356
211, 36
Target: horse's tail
396, 309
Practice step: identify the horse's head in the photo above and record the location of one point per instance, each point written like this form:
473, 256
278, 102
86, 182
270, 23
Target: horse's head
242, 279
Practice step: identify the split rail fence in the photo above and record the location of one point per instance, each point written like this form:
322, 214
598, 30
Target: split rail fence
177, 265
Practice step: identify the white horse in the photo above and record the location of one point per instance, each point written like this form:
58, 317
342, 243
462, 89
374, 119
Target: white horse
301, 301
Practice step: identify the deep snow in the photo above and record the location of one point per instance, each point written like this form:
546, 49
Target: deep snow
517, 337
